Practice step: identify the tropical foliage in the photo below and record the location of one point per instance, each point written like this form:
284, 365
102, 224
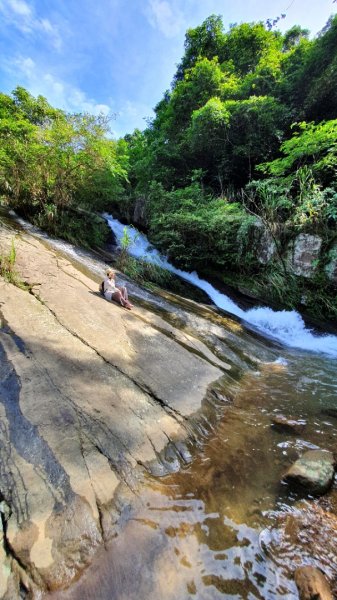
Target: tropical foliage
52, 163
244, 141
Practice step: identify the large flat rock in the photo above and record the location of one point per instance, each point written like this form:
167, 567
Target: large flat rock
90, 395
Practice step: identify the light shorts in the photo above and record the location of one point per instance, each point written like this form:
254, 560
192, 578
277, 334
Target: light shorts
108, 295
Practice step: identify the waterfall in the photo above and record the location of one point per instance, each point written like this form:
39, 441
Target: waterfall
285, 326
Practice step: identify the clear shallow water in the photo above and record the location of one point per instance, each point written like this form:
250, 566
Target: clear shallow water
213, 530
286, 326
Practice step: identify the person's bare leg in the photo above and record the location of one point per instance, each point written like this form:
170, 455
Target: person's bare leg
118, 296
125, 295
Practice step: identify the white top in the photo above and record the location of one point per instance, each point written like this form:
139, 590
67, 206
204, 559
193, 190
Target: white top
109, 285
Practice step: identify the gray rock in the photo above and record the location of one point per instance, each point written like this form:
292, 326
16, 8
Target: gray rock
306, 250
331, 266
263, 244
89, 395
266, 249
314, 472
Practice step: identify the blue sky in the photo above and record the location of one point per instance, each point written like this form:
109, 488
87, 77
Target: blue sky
118, 56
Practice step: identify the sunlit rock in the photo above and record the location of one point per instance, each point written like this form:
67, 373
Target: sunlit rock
89, 397
314, 472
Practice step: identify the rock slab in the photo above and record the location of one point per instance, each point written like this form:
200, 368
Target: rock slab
91, 396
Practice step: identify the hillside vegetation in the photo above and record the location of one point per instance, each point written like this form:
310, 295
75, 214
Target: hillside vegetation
236, 170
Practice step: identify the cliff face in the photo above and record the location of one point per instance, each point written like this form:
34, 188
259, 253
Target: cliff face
90, 396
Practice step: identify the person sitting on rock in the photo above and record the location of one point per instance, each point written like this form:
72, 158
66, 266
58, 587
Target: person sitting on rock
115, 292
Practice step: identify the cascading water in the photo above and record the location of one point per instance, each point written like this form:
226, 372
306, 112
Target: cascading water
218, 527
285, 326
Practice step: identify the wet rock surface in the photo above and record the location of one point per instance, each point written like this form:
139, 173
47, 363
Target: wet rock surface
312, 584
303, 544
285, 424
91, 398
87, 416
314, 472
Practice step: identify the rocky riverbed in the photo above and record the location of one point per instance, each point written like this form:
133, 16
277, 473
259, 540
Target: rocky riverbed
91, 396
97, 401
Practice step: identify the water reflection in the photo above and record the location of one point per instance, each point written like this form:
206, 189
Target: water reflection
224, 526
219, 528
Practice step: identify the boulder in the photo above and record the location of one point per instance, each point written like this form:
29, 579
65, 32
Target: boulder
331, 267
305, 251
314, 472
312, 584
266, 249
288, 424
262, 242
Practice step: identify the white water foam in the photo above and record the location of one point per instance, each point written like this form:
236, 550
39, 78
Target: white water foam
285, 326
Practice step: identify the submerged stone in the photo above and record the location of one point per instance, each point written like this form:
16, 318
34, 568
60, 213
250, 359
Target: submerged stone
314, 472
312, 584
287, 424
331, 412
305, 536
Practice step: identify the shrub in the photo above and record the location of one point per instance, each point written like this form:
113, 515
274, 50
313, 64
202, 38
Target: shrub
7, 262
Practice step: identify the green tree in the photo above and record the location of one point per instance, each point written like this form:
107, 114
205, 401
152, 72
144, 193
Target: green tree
51, 161
310, 144
206, 40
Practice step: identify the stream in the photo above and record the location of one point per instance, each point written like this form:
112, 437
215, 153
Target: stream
218, 526
286, 326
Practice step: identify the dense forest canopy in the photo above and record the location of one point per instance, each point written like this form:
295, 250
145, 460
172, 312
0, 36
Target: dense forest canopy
51, 161
234, 100
247, 131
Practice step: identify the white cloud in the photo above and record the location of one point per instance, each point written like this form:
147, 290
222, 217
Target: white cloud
21, 15
165, 16
20, 7
130, 116
59, 94
25, 65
